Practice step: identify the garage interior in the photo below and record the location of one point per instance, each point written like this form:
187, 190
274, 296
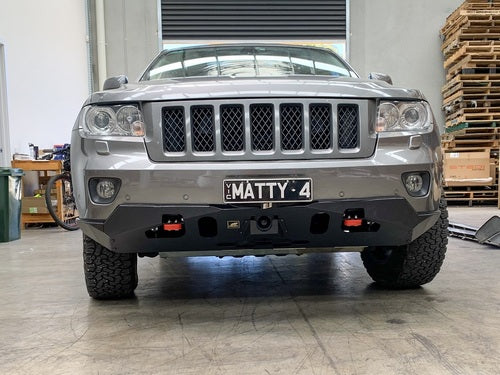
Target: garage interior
309, 314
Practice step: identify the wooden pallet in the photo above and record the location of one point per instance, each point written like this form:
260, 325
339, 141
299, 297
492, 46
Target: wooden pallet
471, 20
476, 60
469, 65
472, 33
478, 88
486, 69
487, 139
445, 148
475, 114
475, 111
483, 52
469, 99
470, 80
468, 144
471, 8
454, 109
490, 80
484, 104
472, 194
472, 122
451, 49
474, 132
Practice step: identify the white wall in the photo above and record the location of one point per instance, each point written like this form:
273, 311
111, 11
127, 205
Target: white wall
132, 36
401, 38
46, 68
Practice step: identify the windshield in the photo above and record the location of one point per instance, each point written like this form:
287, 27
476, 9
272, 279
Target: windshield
246, 61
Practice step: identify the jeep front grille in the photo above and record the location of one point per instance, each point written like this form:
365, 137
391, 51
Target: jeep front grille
266, 129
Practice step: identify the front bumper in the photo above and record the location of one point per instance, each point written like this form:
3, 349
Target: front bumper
211, 229
194, 190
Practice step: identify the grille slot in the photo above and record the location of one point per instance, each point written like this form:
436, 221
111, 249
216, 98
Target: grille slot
320, 124
202, 128
291, 123
232, 122
174, 138
262, 126
348, 126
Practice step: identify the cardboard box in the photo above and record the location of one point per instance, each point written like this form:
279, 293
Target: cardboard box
33, 205
42, 191
467, 169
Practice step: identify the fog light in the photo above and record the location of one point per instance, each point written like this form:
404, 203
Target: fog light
104, 190
414, 183
417, 183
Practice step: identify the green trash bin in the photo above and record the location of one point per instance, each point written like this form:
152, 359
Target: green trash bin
10, 204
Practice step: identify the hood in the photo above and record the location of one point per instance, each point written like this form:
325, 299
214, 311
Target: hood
227, 87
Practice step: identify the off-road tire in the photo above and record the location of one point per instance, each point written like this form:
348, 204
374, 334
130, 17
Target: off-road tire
108, 275
412, 265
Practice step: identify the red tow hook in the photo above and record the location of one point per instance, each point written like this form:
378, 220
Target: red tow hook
172, 227
353, 222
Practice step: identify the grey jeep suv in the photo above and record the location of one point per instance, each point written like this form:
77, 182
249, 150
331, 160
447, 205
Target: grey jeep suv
254, 150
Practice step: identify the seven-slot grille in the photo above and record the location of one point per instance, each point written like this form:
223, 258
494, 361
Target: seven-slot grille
316, 128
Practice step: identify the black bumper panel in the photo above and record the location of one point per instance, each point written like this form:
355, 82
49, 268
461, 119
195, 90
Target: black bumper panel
129, 228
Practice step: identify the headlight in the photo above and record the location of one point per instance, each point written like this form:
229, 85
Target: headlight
100, 120
116, 120
403, 116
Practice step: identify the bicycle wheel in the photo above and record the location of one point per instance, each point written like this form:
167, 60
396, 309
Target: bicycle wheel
65, 213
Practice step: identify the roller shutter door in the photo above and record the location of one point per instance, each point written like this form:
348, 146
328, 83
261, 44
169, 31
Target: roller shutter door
255, 19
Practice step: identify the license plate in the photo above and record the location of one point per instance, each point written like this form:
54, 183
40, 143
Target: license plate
267, 190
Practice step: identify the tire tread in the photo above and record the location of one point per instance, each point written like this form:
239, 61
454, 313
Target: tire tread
108, 275
417, 263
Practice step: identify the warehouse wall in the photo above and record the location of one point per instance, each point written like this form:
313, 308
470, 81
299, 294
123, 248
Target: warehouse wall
46, 69
401, 38
132, 39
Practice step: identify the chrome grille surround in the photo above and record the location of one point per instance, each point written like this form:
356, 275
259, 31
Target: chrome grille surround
266, 129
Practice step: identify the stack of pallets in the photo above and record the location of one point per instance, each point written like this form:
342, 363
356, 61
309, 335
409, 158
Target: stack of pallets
471, 96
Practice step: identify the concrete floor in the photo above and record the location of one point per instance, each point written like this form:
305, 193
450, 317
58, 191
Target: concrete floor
316, 314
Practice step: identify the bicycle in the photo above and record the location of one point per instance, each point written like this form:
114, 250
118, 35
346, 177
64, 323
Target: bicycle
65, 213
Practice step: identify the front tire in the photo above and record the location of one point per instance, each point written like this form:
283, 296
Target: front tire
108, 275
412, 265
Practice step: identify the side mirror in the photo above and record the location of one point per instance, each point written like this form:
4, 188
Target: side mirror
114, 82
381, 77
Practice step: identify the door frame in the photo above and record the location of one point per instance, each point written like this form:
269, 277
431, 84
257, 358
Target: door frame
4, 115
